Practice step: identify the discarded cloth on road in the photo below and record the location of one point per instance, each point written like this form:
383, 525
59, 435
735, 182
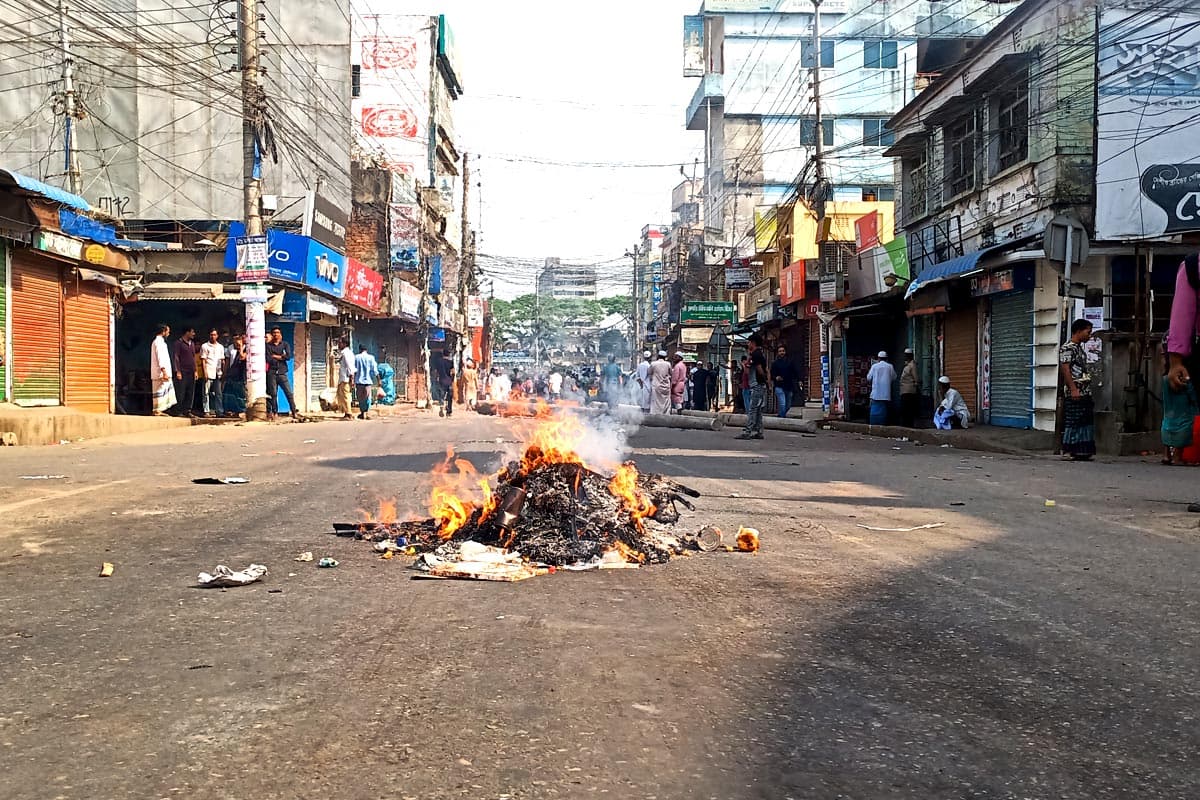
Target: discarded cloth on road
222, 576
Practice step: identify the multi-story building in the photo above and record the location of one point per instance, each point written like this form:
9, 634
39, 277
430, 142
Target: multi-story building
1008, 152
561, 281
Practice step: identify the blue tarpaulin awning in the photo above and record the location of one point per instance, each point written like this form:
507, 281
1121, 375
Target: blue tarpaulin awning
34, 186
945, 270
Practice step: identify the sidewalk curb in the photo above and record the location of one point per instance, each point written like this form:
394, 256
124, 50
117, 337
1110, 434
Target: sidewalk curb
963, 440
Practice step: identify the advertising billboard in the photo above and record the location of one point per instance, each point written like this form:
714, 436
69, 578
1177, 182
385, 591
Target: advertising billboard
364, 286
693, 47
394, 53
1147, 153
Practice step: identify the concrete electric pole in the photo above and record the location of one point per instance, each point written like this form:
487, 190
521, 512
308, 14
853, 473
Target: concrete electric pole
70, 109
252, 123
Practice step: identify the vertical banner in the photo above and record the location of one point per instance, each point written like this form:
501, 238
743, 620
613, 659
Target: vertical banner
256, 351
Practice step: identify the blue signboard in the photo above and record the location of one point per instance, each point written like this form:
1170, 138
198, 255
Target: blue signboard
435, 274
286, 257
325, 269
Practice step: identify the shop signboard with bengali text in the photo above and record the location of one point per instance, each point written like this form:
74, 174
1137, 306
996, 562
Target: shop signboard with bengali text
364, 286
474, 311
738, 275
253, 258
707, 312
286, 253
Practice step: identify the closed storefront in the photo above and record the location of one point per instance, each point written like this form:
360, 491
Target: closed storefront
37, 326
318, 364
960, 348
87, 351
4, 337
1010, 377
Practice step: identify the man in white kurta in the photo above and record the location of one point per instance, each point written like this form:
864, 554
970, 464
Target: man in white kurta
643, 379
660, 385
161, 387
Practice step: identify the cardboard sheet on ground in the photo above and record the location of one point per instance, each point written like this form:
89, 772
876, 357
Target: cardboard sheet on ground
222, 576
475, 561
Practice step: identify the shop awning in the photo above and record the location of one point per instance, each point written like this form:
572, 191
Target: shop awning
97, 276
946, 270
187, 291
9, 179
695, 335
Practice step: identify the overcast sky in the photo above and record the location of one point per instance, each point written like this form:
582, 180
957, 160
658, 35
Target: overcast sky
558, 81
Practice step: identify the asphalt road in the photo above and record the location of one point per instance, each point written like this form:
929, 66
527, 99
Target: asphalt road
1016, 651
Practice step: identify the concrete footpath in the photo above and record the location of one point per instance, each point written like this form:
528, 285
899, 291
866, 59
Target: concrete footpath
989, 439
54, 424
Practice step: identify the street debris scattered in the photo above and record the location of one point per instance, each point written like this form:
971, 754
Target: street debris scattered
222, 576
328, 563
1051, 504
305, 556
926, 526
230, 480
106, 570
546, 510
42, 477
956, 503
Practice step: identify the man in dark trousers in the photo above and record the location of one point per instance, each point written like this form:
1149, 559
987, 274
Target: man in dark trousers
278, 356
443, 372
183, 358
783, 376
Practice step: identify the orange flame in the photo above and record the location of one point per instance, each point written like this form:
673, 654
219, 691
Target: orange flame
628, 553
386, 512
624, 486
445, 503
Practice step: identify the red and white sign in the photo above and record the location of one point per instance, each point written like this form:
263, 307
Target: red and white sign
397, 53
791, 284
866, 231
389, 122
364, 286
474, 311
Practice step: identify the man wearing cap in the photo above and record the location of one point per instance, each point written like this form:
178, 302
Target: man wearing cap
643, 381
679, 379
952, 413
909, 389
660, 384
881, 377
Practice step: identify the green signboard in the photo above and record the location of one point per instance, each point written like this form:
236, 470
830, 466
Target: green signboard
707, 312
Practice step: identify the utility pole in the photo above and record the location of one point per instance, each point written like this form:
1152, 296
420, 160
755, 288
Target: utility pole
70, 108
818, 135
466, 264
253, 101
737, 189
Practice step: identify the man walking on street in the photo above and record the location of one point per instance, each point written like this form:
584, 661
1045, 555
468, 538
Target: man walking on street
183, 354
909, 390
345, 389
212, 361
278, 356
444, 374
366, 370
756, 376
881, 377
783, 376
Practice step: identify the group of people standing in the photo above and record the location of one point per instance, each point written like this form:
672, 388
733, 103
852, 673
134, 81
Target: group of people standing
219, 364
664, 383
951, 411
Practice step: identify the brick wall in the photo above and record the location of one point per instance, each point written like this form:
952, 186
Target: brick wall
366, 238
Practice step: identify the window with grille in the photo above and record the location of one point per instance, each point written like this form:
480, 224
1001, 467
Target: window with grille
1012, 126
806, 54
960, 155
916, 190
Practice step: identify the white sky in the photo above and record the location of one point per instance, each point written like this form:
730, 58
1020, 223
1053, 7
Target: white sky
557, 80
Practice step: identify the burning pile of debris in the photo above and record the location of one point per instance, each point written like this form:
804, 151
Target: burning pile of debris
548, 506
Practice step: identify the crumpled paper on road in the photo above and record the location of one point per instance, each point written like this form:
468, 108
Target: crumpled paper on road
222, 576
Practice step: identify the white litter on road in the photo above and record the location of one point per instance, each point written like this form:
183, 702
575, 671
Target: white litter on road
927, 526
222, 576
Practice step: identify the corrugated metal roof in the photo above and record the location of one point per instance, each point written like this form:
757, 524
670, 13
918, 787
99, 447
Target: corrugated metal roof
34, 186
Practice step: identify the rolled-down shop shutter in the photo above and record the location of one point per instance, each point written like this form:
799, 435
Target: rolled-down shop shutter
37, 333
961, 333
87, 352
1011, 357
318, 359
